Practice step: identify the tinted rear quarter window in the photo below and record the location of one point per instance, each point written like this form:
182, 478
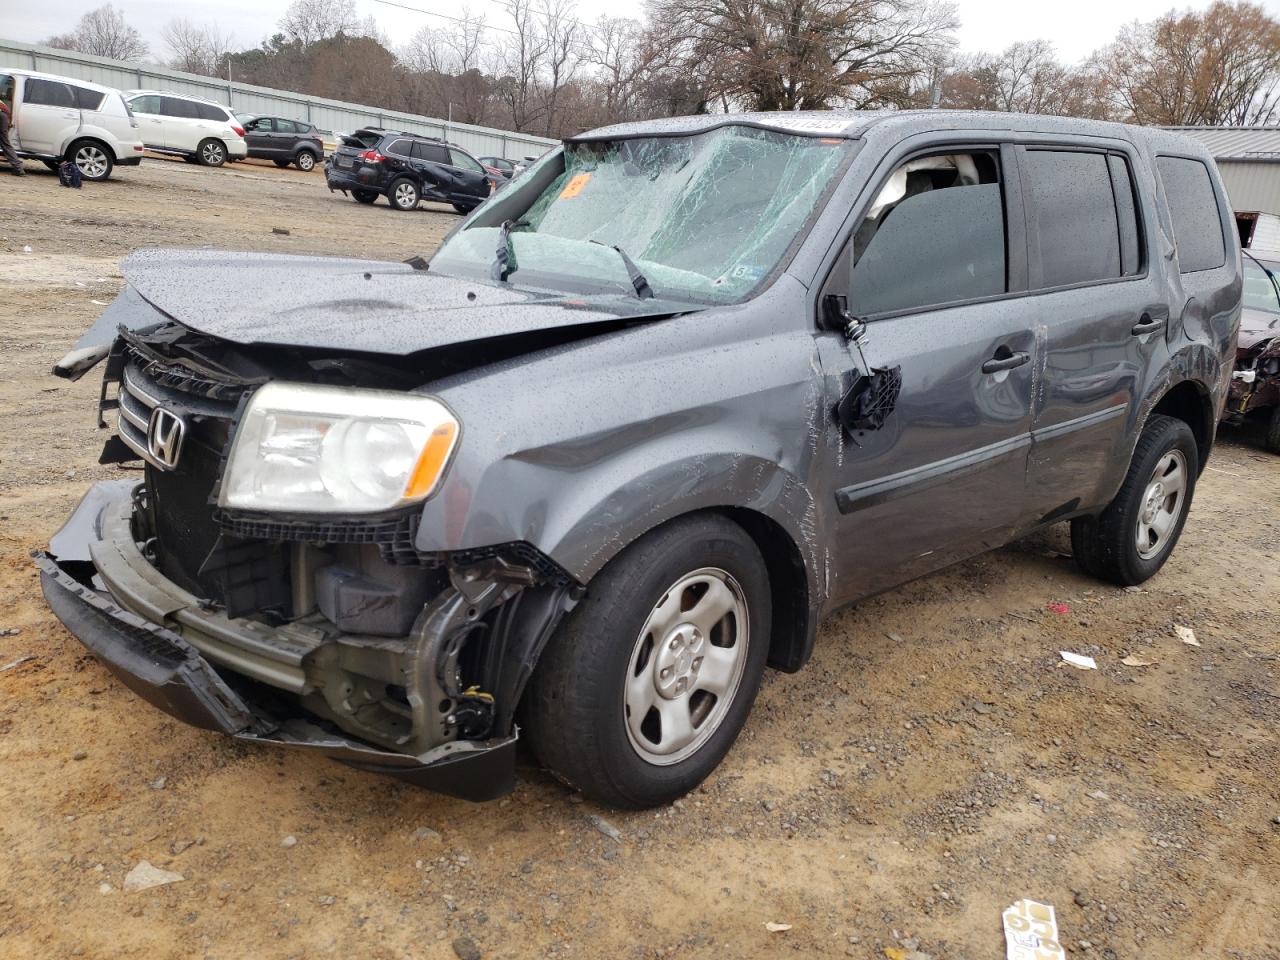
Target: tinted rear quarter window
1075, 212
399, 148
432, 152
1197, 228
209, 111
87, 99
49, 93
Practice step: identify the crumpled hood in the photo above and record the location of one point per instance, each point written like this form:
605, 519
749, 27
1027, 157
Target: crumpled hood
330, 303
1257, 325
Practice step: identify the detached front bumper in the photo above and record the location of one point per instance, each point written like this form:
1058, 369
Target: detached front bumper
165, 670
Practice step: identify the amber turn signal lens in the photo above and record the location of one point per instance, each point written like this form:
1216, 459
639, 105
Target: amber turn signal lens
431, 462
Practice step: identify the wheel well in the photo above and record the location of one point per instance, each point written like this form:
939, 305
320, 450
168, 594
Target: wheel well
79, 140
792, 630
301, 150
1189, 402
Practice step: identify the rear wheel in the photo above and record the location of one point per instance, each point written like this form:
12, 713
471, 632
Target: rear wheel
1133, 537
365, 196
93, 159
649, 680
403, 194
306, 161
212, 153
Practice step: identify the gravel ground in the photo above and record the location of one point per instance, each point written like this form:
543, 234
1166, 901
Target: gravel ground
933, 764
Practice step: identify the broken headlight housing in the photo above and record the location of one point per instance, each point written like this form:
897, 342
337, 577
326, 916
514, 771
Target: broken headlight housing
316, 449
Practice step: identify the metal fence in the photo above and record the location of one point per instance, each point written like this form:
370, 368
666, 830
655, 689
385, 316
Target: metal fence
245, 99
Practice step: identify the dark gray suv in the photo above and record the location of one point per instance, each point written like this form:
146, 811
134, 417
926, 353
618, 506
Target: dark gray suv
646, 417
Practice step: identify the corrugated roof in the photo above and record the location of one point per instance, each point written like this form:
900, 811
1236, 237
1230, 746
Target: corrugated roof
1237, 143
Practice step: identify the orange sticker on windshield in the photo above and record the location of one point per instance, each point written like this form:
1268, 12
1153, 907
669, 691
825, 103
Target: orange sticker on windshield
574, 186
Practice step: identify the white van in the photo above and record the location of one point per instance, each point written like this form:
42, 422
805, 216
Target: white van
196, 129
59, 118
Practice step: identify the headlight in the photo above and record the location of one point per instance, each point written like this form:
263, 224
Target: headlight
313, 449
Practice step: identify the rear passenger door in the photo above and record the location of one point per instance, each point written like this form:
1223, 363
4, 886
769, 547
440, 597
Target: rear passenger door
1100, 313
935, 269
49, 117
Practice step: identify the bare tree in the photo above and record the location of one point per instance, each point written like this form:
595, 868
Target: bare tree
104, 33
1219, 66
521, 60
310, 21
808, 54
560, 33
194, 49
1027, 77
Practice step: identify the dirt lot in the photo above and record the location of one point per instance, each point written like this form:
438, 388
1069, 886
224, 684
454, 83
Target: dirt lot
935, 762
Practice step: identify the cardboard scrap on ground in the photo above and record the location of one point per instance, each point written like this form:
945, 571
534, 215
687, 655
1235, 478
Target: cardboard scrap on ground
1079, 660
1186, 635
1133, 660
1031, 932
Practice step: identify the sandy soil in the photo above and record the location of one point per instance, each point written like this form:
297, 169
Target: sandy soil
935, 762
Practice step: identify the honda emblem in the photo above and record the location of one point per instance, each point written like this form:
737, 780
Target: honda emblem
165, 434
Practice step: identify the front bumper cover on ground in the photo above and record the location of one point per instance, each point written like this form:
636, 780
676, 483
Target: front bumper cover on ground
168, 672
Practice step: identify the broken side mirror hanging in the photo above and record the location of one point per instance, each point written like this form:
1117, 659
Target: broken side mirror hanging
867, 404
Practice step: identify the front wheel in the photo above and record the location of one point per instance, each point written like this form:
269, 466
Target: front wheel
1131, 539
1273, 431
212, 153
92, 158
649, 680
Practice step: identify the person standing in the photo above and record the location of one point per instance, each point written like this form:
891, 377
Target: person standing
5, 146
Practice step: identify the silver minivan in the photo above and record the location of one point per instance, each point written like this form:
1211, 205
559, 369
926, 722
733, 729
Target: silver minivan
59, 118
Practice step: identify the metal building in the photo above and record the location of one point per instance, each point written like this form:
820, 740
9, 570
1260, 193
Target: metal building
1249, 161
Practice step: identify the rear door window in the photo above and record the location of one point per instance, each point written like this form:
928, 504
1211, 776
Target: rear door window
1074, 210
431, 152
49, 93
934, 235
286, 126
177, 107
1197, 228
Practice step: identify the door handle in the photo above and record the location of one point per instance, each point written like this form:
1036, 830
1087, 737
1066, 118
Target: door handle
1148, 324
996, 364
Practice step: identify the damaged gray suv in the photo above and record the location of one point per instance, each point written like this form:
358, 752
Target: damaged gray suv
647, 415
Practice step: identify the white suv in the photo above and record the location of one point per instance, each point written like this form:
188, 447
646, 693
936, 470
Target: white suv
58, 118
199, 130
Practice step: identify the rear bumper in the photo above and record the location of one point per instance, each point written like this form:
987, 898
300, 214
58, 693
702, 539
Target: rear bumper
168, 672
348, 179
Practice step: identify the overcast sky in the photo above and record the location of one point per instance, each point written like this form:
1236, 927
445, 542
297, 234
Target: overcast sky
1076, 27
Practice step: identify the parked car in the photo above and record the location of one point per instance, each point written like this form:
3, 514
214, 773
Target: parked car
1255, 383
407, 168
648, 415
283, 141
198, 130
505, 168
58, 118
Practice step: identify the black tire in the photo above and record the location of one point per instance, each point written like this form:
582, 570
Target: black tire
1273, 431
463, 209
211, 152
305, 160
1106, 546
281, 163
403, 195
574, 713
93, 158
190, 158
365, 196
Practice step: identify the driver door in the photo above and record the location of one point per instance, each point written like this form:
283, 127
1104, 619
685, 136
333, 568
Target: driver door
932, 270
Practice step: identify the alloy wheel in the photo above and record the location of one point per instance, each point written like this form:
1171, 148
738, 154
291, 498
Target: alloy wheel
1162, 504
405, 195
212, 154
686, 666
92, 161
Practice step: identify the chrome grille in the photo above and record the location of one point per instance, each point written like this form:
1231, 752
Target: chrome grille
135, 404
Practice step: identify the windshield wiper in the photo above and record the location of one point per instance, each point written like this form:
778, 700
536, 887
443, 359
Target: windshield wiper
502, 261
641, 285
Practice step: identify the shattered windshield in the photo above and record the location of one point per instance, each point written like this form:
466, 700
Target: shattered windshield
703, 218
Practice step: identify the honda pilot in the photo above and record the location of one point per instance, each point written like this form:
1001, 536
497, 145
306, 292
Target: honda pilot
646, 417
